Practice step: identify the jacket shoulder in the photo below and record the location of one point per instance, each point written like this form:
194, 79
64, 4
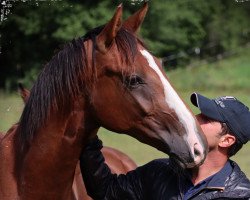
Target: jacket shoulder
238, 183
162, 164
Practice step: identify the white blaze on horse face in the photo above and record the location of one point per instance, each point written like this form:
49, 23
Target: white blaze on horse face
175, 103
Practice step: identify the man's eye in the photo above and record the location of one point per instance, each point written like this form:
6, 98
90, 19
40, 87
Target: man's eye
133, 81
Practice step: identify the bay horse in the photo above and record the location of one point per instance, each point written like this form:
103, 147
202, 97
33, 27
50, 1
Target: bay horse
1, 135
106, 78
118, 162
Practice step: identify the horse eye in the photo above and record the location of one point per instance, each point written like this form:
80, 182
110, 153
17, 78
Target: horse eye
133, 81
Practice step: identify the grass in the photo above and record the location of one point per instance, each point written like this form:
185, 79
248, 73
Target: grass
226, 77
11, 106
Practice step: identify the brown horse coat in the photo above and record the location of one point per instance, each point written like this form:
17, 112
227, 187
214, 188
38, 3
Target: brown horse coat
106, 78
118, 162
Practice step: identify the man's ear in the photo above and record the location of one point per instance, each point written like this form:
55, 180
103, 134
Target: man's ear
227, 140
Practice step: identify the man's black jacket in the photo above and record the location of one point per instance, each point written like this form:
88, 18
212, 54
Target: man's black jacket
153, 181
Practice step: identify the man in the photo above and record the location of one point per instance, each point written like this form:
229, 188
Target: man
225, 122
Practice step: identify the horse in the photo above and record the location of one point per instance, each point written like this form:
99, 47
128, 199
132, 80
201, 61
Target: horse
106, 78
118, 162
1, 135
25, 93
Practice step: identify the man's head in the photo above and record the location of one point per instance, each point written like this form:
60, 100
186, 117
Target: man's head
229, 115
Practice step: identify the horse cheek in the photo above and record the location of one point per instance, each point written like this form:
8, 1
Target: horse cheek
108, 102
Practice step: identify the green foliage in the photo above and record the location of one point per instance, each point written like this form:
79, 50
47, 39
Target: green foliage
82, 19
228, 26
29, 77
36, 29
174, 26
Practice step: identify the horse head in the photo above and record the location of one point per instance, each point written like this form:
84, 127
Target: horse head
131, 94
105, 78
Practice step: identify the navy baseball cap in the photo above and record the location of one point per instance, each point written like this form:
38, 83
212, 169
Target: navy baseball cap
226, 109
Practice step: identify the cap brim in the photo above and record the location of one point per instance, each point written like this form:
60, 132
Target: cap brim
207, 106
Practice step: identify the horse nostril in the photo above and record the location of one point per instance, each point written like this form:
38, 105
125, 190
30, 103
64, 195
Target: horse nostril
197, 151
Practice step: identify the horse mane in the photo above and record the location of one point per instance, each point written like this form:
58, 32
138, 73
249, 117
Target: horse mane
62, 80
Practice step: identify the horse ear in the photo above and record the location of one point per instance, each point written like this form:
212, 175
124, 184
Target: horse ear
25, 94
109, 32
134, 22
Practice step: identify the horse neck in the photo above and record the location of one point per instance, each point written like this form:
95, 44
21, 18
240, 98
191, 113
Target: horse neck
53, 155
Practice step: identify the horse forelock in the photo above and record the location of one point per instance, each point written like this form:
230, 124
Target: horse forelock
62, 80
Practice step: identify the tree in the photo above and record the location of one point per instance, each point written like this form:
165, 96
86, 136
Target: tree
36, 29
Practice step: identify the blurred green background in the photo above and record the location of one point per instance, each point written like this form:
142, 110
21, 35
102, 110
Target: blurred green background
204, 46
179, 31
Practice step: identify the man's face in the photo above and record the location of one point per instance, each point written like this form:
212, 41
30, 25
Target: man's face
211, 129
